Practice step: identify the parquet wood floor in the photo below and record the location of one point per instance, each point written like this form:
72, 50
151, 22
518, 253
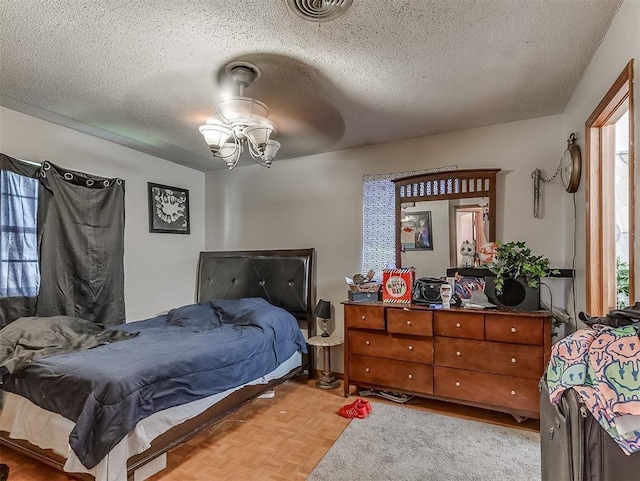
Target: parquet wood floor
278, 439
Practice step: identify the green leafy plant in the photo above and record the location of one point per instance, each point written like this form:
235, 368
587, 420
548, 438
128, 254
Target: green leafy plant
513, 260
622, 283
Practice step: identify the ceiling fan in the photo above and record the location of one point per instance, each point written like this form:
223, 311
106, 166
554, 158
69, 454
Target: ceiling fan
242, 122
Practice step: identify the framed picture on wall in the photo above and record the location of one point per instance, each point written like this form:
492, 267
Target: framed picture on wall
168, 209
416, 233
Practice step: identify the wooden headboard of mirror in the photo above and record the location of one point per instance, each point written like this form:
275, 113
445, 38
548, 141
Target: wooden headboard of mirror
456, 184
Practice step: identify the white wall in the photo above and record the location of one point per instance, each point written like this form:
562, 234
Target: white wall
621, 44
316, 201
159, 268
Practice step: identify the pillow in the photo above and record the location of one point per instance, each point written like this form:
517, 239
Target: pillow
197, 316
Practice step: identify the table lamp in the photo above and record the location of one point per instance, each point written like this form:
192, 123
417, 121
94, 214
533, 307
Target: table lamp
323, 311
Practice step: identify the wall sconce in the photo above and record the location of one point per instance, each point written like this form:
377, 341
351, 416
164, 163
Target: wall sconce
323, 311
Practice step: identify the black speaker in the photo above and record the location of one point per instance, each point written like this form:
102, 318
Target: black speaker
516, 294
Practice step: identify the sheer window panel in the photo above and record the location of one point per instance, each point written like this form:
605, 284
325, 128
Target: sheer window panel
19, 266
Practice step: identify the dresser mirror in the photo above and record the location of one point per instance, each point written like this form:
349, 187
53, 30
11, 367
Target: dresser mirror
436, 212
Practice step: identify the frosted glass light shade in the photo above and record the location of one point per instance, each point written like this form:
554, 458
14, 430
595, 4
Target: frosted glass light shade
229, 149
234, 108
271, 150
258, 135
230, 153
215, 135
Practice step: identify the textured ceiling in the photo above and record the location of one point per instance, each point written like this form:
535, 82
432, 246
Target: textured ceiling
145, 74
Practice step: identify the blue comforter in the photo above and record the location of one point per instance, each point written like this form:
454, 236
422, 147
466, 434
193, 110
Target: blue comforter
190, 353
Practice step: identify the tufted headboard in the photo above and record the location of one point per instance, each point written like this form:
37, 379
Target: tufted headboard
286, 278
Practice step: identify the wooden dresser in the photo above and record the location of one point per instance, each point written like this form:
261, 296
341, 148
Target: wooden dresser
491, 359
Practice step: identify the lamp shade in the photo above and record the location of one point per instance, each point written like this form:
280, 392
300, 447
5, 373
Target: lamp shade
258, 134
230, 153
323, 309
215, 135
271, 150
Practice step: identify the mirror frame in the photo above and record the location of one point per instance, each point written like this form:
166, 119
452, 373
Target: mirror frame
453, 184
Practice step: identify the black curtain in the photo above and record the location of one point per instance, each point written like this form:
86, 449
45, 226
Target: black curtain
12, 308
82, 248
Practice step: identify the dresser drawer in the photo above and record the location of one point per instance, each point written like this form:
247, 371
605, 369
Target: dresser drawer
408, 321
494, 389
467, 325
493, 357
402, 348
367, 317
521, 330
403, 375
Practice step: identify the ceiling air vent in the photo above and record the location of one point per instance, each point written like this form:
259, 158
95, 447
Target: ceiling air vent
319, 10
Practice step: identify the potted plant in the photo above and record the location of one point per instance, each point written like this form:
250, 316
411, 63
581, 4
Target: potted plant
514, 260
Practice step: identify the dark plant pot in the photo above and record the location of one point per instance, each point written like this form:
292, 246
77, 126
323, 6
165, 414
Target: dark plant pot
516, 294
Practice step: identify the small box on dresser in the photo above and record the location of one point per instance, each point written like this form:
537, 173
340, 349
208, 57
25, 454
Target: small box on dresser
364, 296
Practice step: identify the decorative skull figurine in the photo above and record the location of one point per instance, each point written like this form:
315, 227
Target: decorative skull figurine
468, 254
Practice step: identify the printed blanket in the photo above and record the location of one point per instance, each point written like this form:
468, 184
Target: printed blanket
603, 366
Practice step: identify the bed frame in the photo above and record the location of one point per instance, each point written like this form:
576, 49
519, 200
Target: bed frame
286, 278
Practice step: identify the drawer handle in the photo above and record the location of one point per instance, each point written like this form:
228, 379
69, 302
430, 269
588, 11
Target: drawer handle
457, 383
458, 325
364, 318
411, 348
408, 323
367, 342
513, 392
513, 359
366, 370
410, 376
513, 329
458, 353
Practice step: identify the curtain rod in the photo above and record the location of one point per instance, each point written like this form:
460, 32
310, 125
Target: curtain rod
30, 162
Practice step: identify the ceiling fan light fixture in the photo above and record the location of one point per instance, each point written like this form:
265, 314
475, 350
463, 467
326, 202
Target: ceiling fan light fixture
241, 120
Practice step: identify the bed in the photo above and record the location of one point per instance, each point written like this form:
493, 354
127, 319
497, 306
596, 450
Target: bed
274, 284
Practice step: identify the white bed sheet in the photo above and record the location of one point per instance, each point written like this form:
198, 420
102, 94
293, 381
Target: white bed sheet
24, 420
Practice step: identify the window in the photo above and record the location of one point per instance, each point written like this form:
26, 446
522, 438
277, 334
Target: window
610, 199
19, 270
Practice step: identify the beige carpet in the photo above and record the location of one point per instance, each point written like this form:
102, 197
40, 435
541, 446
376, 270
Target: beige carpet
401, 444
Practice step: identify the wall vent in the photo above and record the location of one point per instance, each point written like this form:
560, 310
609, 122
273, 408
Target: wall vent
319, 10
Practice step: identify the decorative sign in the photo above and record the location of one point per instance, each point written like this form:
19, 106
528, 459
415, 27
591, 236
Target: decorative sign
397, 285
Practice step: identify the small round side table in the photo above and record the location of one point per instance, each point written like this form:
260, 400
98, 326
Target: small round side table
327, 381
